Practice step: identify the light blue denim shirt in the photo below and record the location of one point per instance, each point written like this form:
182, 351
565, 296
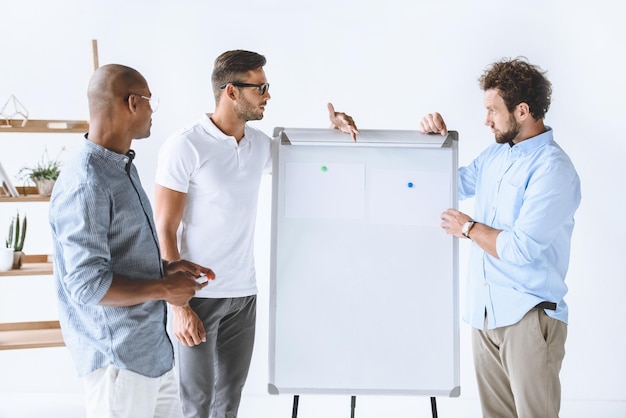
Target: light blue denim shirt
529, 191
102, 225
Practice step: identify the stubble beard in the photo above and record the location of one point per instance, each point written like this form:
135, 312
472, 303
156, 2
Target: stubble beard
509, 135
246, 111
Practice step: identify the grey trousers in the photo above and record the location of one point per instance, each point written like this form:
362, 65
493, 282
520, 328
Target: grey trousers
212, 374
517, 367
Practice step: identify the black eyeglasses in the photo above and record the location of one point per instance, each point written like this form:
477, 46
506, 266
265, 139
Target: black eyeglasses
262, 88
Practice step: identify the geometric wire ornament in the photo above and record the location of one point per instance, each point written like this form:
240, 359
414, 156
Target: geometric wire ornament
16, 109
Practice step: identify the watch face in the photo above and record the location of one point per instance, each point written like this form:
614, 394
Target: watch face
466, 227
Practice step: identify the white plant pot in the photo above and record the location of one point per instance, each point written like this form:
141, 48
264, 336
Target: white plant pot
44, 187
6, 259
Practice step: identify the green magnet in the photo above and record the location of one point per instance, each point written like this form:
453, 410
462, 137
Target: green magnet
324, 168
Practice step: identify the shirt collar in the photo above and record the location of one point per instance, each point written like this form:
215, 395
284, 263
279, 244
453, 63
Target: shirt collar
215, 132
532, 144
112, 158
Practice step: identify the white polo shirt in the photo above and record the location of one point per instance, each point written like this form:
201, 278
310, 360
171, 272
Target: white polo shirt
221, 179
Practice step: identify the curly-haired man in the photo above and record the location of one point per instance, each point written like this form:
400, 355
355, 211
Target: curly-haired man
526, 192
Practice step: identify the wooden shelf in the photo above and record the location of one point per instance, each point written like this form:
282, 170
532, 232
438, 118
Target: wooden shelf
27, 194
45, 126
32, 265
29, 198
18, 335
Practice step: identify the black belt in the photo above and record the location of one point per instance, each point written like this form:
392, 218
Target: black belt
551, 306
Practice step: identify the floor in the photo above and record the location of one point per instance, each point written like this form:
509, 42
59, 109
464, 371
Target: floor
32, 405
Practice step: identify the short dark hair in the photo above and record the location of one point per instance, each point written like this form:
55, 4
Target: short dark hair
231, 66
518, 81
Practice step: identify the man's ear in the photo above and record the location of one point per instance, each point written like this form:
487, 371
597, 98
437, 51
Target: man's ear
132, 103
523, 111
230, 92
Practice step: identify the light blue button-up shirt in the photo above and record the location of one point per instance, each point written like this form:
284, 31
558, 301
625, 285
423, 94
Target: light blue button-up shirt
102, 225
529, 191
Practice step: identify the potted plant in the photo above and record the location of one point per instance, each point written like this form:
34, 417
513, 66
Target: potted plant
15, 238
44, 173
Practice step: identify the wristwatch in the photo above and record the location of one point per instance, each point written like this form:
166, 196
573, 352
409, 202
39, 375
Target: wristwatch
467, 227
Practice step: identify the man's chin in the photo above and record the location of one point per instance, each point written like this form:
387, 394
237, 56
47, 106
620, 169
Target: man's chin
143, 136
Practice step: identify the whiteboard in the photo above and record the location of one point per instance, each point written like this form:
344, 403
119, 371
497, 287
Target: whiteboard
363, 281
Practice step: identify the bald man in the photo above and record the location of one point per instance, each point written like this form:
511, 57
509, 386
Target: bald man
112, 284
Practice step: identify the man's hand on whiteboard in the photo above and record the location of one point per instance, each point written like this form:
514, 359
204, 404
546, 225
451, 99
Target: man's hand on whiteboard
433, 124
188, 327
343, 122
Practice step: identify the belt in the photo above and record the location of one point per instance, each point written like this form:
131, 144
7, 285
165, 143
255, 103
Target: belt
551, 306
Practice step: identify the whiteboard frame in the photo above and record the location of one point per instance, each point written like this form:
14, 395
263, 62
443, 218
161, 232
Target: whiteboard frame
327, 140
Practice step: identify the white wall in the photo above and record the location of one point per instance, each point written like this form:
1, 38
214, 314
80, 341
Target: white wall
385, 63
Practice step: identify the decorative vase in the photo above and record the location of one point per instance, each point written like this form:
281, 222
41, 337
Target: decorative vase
44, 186
17, 259
6, 259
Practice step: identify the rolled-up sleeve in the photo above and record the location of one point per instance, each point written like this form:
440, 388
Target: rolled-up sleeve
81, 235
546, 214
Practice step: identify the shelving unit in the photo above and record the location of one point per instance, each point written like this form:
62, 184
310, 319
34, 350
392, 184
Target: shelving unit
19, 335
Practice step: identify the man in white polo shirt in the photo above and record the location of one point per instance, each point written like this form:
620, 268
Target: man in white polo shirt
208, 180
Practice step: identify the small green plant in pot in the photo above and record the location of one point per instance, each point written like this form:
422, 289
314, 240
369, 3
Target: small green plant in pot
44, 173
15, 238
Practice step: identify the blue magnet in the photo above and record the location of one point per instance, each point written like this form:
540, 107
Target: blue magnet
410, 185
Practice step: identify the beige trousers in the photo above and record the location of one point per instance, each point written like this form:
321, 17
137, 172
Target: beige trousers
517, 367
